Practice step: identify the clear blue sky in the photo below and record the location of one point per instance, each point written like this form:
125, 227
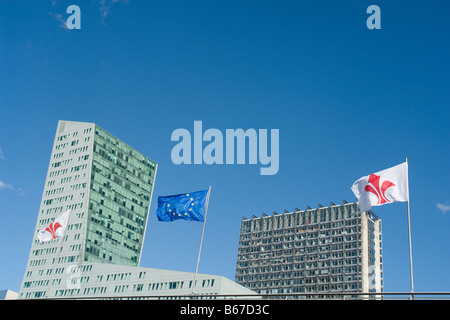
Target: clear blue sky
348, 101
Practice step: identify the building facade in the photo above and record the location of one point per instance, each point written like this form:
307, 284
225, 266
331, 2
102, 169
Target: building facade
8, 295
93, 280
108, 186
335, 249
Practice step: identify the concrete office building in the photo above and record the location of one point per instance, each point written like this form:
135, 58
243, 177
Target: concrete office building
108, 186
335, 249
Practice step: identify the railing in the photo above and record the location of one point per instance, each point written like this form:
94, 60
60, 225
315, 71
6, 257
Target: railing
282, 296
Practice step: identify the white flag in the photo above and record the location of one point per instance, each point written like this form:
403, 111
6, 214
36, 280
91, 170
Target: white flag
55, 229
387, 186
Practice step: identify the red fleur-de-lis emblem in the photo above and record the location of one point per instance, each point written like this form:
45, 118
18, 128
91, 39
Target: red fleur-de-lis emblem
375, 188
52, 228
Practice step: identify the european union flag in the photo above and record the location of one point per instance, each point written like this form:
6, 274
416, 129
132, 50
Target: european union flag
187, 206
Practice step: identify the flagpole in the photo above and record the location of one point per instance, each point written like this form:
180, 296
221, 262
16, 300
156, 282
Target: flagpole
410, 247
201, 240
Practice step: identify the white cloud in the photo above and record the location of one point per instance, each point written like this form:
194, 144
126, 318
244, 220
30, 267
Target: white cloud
6, 186
21, 192
2, 156
443, 207
105, 6
59, 17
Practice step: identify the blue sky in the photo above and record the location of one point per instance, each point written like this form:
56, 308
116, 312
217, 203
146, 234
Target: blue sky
347, 101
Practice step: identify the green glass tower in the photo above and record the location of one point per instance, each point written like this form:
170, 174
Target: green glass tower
121, 186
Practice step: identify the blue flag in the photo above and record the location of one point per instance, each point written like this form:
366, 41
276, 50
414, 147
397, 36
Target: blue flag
187, 206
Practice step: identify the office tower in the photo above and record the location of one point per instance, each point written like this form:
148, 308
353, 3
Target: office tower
108, 186
333, 249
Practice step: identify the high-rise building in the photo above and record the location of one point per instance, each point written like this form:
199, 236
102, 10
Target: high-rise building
108, 186
334, 249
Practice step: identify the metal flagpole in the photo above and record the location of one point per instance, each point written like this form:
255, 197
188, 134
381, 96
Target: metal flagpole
201, 240
410, 248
